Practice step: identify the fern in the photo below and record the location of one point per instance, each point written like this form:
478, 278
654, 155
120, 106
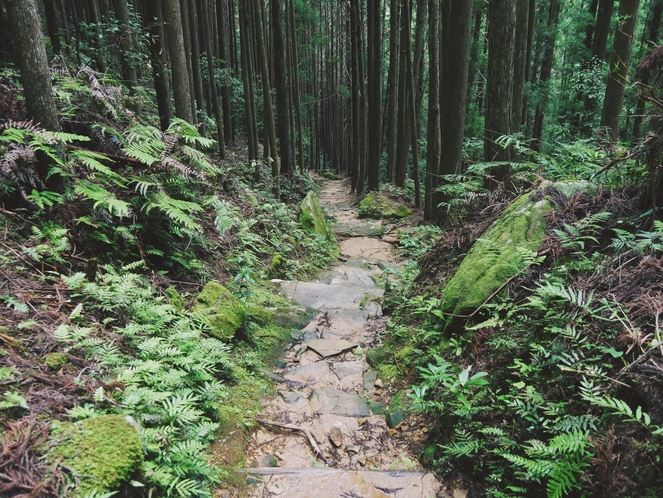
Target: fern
103, 198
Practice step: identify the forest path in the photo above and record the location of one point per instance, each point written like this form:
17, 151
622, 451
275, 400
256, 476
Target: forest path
328, 389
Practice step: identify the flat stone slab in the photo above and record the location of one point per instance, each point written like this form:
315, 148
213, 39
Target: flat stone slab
312, 373
291, 397
330, 347
335, 402
317, 295
332, 483
356, 228
346, 368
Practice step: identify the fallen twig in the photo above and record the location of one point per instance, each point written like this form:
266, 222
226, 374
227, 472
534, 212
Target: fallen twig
311, 439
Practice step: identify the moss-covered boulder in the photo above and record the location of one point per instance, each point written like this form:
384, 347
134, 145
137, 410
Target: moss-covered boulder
222, 311
103, 451
502, 252
311, 217
379, 207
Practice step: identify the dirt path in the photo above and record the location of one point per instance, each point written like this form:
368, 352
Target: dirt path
328, 389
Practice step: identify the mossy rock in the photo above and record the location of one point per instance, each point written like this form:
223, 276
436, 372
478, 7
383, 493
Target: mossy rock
311, 217
222, 311
277, 265
55, 361
498, 255
377, 356
103, 451
174, 298
379, 207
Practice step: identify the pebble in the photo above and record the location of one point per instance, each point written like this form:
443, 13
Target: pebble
335, 436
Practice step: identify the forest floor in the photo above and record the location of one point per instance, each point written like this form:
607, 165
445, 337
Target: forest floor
334, 429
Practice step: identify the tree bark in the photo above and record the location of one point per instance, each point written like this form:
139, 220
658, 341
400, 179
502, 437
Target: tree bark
195, 63
249, 98
403, 100
433, 131
546, 72
178, 64
602, 29
52, 25
228, 128
154, 24
211, 65
270, 130
499, 92
455, 56
125, 43
281, 85
519, 63
621, 58
294, 61
374, 93
28, 42
392, 89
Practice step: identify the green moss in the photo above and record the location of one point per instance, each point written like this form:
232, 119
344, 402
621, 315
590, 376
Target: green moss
222, 311
103, 451
378, 206
55, 361
174, 298
311, 217
376, 356
277, 265
497, 256
388, 372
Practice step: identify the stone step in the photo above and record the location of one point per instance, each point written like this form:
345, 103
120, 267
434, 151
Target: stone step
321, 482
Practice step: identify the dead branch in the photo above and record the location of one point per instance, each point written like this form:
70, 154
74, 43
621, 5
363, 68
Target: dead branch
311, 439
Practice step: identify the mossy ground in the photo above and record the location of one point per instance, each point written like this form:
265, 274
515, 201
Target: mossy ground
498, 255
222, 311
103, 452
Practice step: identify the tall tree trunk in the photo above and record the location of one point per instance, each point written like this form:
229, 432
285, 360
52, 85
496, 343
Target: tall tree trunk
195, 63
418, 67
519, 63
456, 43
546, 71
125, 43
228, 128
211, 64
270, 129
354, 84
52, 25
433, 131
412, 118
645, 75
178, 64
621, 58
93, 8
403, 100
294, 61
602, 29
374, 91
154, 24
499, 94
281, 84
30, 50
392, 89
247, 80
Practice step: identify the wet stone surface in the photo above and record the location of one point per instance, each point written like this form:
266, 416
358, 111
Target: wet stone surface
328, 392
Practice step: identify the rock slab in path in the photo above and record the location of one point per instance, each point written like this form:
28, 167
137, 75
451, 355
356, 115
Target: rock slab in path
346, 368
341, 403
330, 347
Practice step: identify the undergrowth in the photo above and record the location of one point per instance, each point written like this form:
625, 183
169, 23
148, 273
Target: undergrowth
552, 386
